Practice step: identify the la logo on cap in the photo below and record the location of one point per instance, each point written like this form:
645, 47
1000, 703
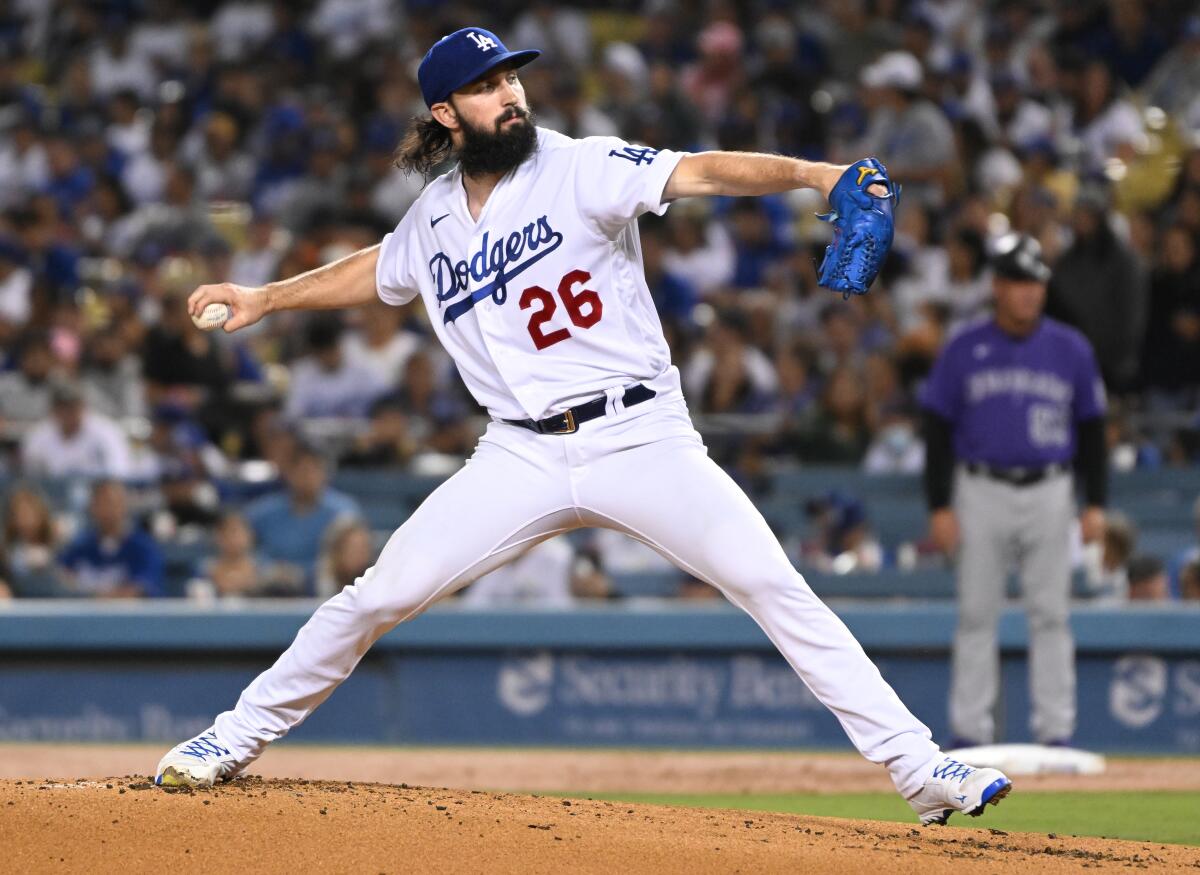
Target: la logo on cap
484, 43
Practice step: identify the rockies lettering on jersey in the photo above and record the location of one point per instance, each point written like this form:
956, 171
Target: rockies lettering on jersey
1023, 381
542, 298
1014, 402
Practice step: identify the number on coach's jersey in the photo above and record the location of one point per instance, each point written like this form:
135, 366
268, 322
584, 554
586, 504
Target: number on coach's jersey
636, 154
574, 302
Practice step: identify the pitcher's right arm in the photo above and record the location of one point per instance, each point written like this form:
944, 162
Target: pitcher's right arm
347, 282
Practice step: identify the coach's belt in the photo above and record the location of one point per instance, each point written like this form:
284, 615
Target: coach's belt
1024, 476
568, 421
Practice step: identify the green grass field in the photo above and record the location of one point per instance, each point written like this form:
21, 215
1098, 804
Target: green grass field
1154, 817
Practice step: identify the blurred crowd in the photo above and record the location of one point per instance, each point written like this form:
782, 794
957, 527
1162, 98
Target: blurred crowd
148, 146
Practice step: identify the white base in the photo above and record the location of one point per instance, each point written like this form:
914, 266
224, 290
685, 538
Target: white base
1031, 759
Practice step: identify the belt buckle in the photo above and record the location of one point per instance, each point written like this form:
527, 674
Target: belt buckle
572, 427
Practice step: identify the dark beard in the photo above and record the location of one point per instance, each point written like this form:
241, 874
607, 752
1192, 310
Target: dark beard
497, 151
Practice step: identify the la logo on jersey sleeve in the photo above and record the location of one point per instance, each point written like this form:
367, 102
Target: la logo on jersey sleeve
639, 155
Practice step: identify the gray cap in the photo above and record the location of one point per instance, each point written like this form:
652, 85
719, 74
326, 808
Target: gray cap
1019, 257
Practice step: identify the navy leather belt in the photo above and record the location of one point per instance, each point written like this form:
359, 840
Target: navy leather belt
568, 421
1023, 476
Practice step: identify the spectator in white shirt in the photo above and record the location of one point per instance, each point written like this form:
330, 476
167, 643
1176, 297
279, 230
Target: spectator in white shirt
162, 37
324, 383
239, 28
699, 249
75, 442
257, 263
24, 167
380, 344
223, 171
145, 175
116, 67
16, 289
25, 392
563, 35
548, 575
1108, 125
348, 26
728, 374
128, 130
1021, 119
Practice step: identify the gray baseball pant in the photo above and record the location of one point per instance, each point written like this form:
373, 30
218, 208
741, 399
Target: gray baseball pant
1003, 527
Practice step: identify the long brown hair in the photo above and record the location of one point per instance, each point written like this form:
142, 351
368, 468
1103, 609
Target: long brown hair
425, 146
46, 534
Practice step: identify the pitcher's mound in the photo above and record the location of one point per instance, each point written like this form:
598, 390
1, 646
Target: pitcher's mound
128, 825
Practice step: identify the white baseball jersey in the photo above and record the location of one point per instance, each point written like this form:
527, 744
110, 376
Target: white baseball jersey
543, 302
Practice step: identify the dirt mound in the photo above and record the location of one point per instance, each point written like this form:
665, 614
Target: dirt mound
576, 771
257, 825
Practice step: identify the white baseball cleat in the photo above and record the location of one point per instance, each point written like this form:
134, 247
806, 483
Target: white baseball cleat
200, 762
953, 786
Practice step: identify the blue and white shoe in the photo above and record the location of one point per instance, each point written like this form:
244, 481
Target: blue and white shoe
199, 762
953, 786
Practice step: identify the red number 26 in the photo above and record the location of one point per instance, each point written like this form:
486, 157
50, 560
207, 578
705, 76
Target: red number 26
583, 307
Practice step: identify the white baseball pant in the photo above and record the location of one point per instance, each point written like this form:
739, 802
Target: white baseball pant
641, 470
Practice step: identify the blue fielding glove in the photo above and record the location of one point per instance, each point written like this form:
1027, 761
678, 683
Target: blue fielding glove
862, 228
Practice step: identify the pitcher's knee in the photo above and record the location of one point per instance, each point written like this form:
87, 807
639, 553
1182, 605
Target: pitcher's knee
386, 602
785, 583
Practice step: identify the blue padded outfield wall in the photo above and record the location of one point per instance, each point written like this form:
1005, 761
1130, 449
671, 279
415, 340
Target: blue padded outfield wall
675, 675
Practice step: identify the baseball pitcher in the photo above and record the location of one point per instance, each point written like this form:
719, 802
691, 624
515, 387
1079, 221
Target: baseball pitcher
527, 258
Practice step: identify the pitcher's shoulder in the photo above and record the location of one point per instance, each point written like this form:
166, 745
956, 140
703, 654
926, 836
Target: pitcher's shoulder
552, 141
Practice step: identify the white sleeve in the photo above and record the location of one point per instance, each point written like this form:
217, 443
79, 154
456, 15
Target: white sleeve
395, 281
33, 460
118, 454
616, 182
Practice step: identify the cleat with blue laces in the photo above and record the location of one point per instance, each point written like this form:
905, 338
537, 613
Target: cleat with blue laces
199, 762
953, 786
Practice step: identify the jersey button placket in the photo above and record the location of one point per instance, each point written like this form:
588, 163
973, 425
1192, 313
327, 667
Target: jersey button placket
490, 317
491, 331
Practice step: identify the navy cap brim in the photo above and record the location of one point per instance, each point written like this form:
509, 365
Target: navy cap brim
517, 59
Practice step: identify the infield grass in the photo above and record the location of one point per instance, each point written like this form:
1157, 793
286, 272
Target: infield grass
1167, 816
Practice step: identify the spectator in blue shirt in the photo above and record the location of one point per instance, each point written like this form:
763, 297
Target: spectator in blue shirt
113, 559
290, 526
759, 238
674, 297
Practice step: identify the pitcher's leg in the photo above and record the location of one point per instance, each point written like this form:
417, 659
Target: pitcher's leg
671, 495
1046, 585
983, 564
491, 511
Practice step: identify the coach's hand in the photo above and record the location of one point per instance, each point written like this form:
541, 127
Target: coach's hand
247, 304
943, 530
1092, 524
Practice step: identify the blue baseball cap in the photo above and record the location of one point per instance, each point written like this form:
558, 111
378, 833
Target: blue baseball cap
461, 58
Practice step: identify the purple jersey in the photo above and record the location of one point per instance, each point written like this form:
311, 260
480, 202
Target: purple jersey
1014, 402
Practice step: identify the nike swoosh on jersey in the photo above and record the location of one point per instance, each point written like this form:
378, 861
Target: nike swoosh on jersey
433, 222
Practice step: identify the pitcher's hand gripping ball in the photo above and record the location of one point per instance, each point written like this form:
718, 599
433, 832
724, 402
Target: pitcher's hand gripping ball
862, 228
212, 317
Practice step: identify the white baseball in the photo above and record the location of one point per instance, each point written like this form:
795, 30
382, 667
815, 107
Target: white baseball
214, 316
